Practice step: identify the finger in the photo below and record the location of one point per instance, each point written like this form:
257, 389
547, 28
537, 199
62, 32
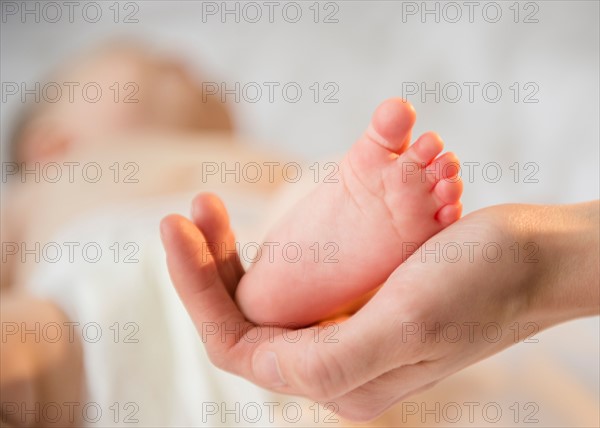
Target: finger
372, 399
231, 341
210, 216
364, 347
195, 276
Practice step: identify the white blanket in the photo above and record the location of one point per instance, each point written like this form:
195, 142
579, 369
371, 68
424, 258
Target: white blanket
142, 354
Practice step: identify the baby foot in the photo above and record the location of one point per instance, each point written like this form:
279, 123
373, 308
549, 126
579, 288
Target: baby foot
345, 238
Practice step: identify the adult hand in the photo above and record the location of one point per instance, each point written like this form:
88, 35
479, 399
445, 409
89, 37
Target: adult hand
488, 281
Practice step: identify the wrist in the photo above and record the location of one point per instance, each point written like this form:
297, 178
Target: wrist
565, 284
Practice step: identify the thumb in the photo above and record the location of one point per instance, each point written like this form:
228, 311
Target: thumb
332, 359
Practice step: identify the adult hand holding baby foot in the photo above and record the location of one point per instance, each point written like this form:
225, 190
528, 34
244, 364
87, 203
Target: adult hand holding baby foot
386, 350
383, 353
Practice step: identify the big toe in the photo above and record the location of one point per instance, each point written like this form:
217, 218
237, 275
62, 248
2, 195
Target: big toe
386, 137
391, 125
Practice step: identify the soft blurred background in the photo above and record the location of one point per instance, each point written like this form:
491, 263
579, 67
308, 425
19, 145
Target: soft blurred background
374, 52
369, 54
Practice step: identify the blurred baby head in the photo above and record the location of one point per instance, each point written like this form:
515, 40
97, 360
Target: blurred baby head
116, 88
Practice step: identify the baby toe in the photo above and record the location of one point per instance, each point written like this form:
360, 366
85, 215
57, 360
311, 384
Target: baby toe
448, 214
448, 191
446, 167
424, 150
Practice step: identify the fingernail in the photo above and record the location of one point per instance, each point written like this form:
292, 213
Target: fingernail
266, 369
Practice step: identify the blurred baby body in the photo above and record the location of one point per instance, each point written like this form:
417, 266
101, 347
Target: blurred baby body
117, 170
